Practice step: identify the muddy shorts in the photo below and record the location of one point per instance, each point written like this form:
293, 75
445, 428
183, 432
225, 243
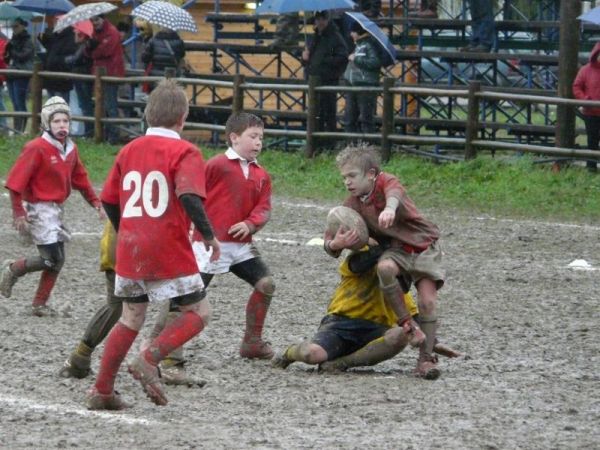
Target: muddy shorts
340, 336
46, 223
182, 291
426, 264
232, 253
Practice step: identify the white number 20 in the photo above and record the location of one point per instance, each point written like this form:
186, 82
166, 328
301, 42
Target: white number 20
153, 207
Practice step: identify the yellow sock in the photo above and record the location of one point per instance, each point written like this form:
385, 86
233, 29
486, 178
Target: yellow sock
83, 350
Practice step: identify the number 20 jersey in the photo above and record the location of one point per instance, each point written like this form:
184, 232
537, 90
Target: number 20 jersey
148, 176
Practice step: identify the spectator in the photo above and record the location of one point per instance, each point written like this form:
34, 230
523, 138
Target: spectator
79, 62
106, 51
58, 46
483, 26
3, 65
363, 69
19, 55
164, 50
326, 58
587, 87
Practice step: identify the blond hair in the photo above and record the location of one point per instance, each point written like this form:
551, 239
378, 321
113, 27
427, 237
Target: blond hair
361, 155
239, 122
167, 104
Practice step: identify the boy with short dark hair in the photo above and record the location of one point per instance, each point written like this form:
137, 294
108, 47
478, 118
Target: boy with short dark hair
152, 193
393, 220
238, 203
39, 183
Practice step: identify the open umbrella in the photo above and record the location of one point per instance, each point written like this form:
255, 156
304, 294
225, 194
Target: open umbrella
288, 6
85, 27
388, 52
165, 15
592, 16
8, 12
81, 13
49, 7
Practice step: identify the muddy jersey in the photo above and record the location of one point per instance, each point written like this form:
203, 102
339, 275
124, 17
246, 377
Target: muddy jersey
46, 171
146, 181
409, 227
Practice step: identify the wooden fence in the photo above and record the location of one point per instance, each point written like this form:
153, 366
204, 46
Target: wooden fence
388, 90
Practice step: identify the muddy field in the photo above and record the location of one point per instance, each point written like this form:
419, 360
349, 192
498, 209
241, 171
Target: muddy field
529, 324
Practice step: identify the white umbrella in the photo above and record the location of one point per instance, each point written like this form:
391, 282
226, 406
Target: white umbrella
165, 15
81, 13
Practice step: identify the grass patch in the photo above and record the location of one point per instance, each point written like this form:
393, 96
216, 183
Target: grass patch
502, 186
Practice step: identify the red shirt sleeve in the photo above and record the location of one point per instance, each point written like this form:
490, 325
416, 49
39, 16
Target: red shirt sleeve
261, 213
190, 174
24, 168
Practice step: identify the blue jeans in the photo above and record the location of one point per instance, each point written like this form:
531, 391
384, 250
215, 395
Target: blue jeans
484, 27
111, 107
17, 90
85, 91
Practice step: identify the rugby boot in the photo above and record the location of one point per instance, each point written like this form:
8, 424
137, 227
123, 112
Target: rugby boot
43, 311
427, 367
176, 375
7, 279
334, 366
446, 350
258, 349
112, 402
149, 377
280, 360
77, 366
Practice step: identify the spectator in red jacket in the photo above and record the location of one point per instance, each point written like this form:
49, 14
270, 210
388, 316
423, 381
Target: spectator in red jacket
3, 65
587, 87
106, 51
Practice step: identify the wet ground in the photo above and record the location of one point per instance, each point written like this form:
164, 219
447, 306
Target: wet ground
530, 325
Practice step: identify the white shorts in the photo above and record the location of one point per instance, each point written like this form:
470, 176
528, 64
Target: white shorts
158, 290
46, 223
232, 253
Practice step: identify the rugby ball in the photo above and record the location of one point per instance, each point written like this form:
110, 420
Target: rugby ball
347, 219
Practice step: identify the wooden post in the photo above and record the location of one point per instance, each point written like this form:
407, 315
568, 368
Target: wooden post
237, 104
311, 115
568, 49
472, 124
98, 105
36, 97
387, 118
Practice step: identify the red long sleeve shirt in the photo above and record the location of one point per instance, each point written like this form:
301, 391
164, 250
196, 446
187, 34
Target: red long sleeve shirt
42, 173
232, 198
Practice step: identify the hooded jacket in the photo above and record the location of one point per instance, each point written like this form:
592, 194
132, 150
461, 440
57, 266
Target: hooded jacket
587, 82
365, 68
164, 50
19, 53
58, 47
106, 50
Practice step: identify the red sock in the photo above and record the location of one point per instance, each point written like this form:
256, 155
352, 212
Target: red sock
177, 333
256, 312
118, 343
47, 281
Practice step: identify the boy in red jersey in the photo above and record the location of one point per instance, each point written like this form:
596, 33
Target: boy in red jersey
412, 241
236, 180
153, 191
39, 183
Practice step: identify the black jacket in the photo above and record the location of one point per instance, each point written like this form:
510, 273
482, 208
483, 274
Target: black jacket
58, 47
164, 50
19, 52
328, 54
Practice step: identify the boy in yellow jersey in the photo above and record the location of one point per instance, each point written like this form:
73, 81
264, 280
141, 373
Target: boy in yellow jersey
360, 329
78, 365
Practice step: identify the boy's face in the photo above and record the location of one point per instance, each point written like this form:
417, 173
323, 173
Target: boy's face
248, 144
357, 182
59, 125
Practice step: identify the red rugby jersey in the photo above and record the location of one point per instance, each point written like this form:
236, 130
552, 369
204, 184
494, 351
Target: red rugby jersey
42, 174
231, 198
149, 175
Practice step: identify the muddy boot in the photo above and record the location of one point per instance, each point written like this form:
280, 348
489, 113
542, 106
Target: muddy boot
111, 402
173, 373
7, 279
256, 349
427, 363
78, 365
43, 311
149, 377
281, 361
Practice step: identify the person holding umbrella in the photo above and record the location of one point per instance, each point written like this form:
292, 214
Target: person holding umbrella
326, 58
58, 46
364, 67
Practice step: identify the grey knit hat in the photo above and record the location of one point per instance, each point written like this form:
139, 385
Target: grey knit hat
52, 106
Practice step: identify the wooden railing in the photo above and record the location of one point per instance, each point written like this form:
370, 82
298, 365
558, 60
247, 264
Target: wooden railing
386, 137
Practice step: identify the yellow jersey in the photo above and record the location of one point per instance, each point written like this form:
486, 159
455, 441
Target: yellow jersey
108, 247
358, 296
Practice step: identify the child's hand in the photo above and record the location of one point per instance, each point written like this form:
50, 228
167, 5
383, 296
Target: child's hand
216, 249
21, 225
344, 239
386, 218
239, 230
